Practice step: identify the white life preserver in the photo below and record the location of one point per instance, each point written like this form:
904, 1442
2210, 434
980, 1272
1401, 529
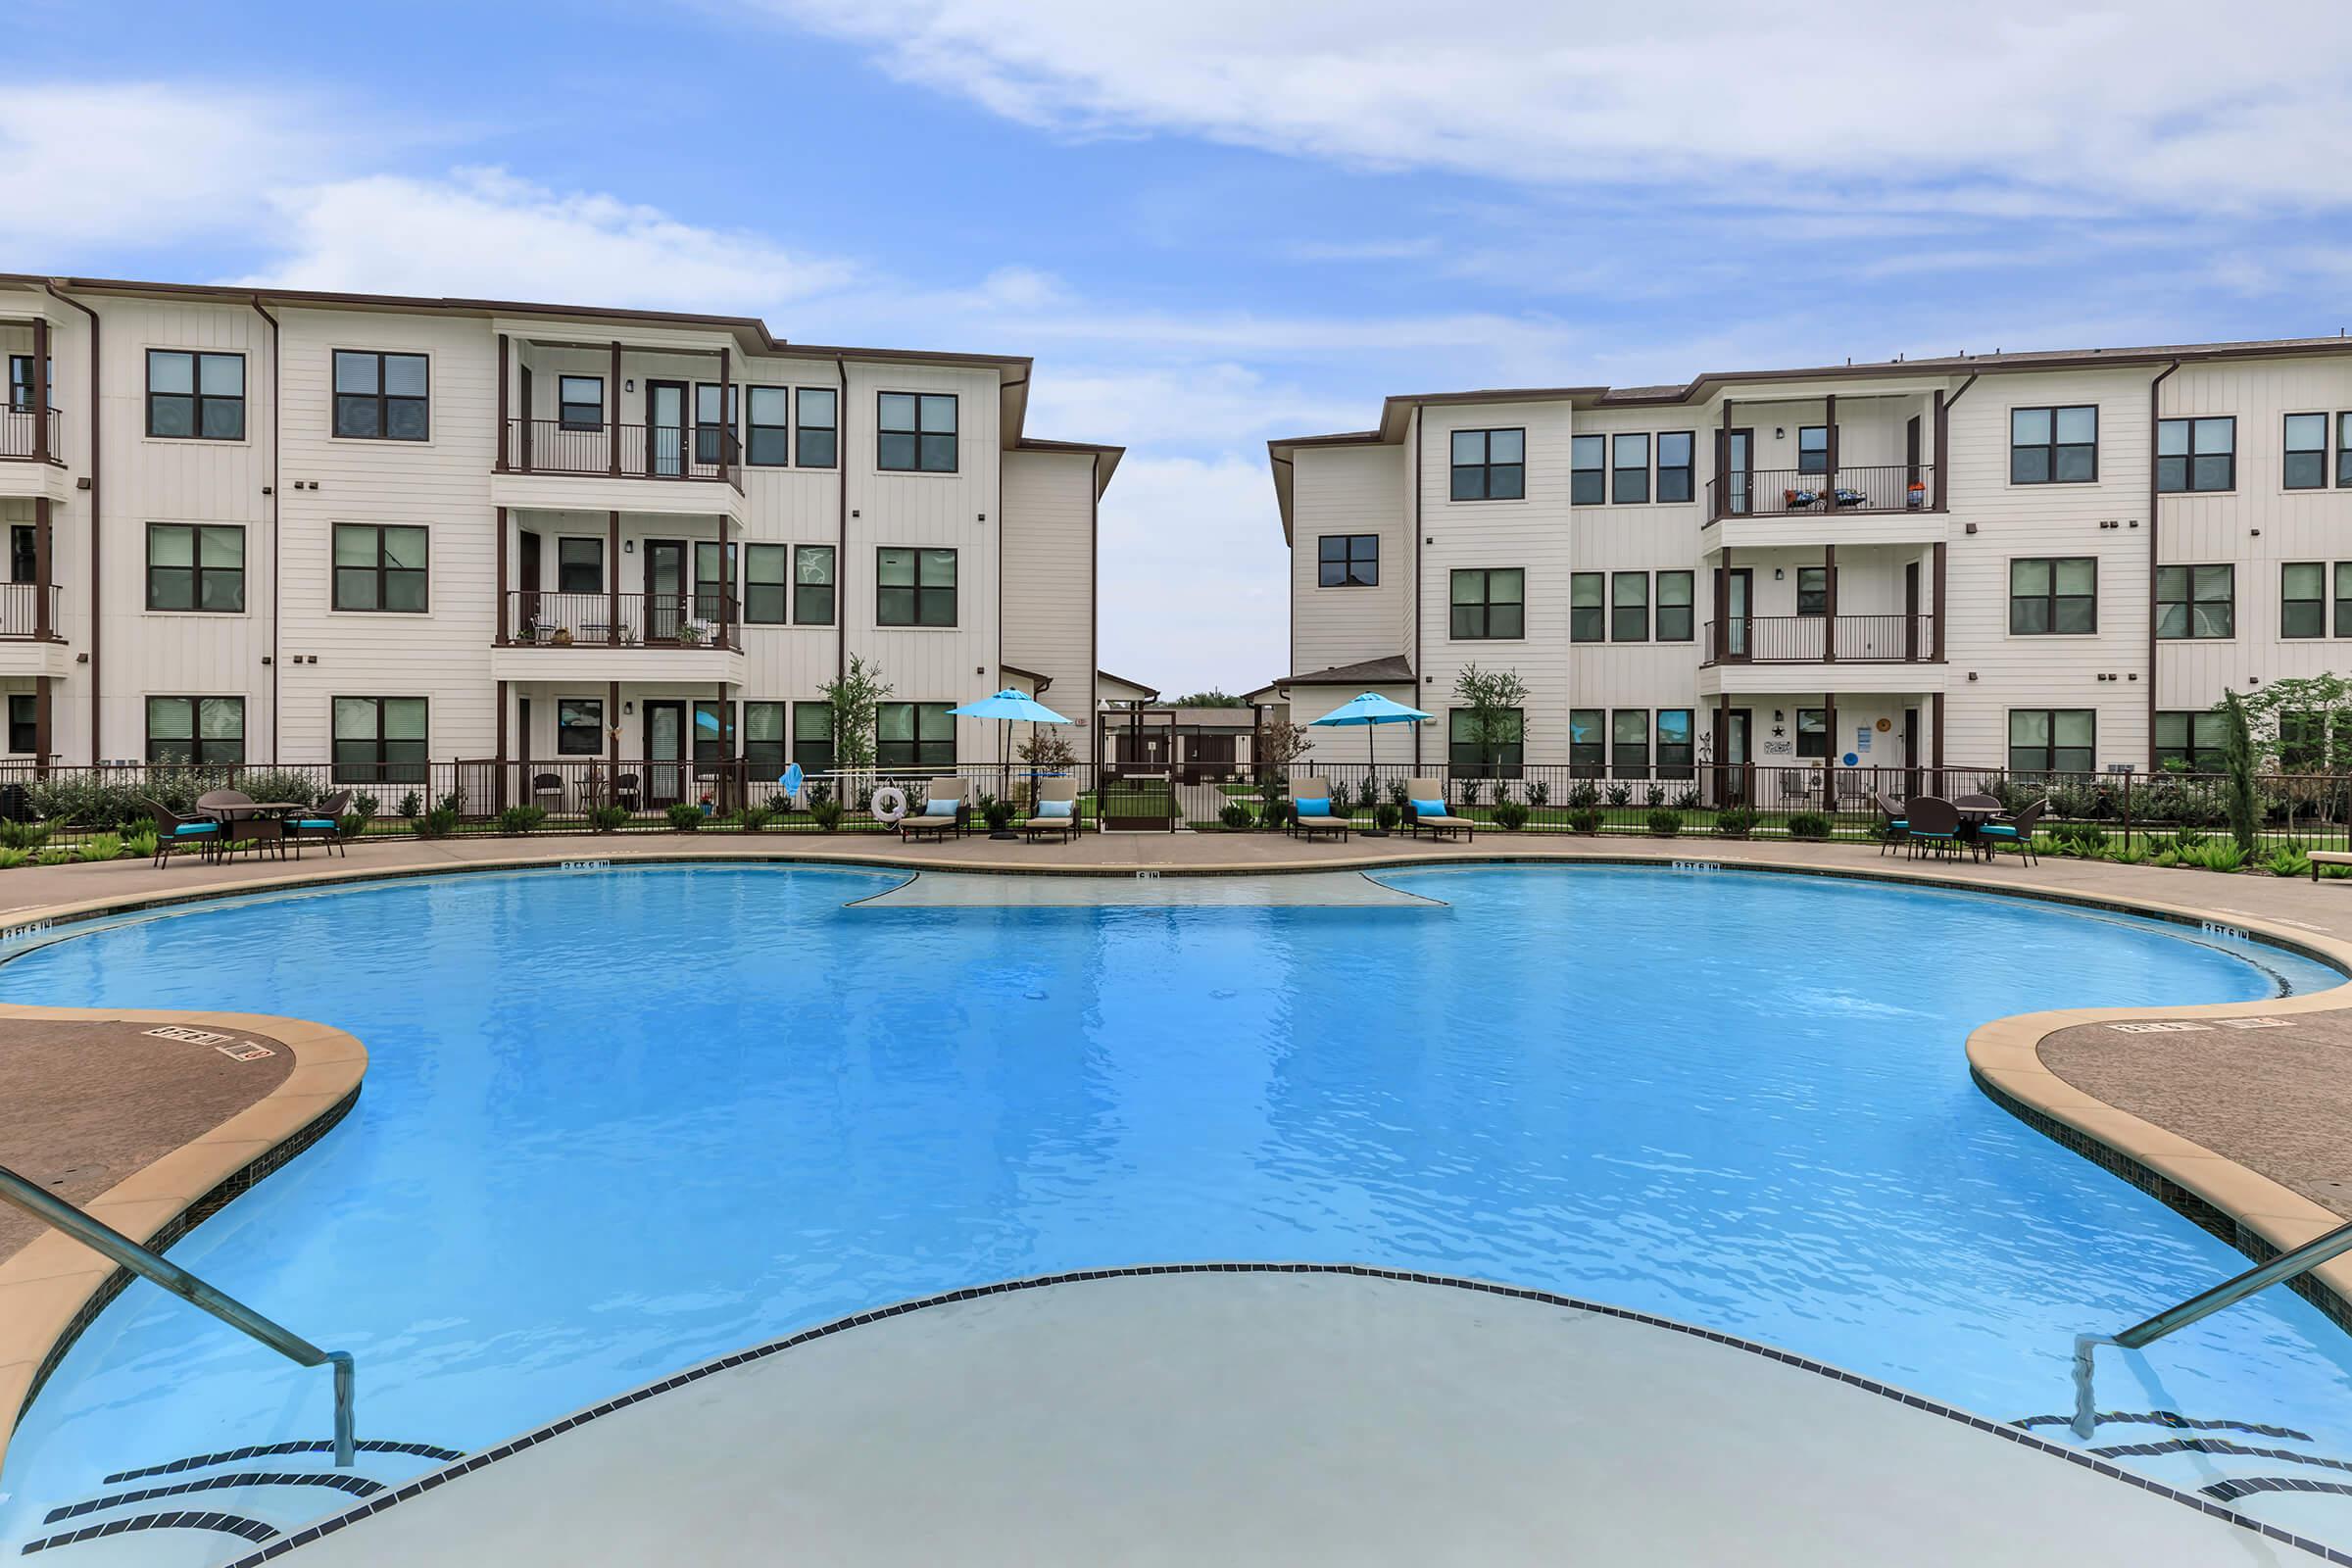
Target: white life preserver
889, 803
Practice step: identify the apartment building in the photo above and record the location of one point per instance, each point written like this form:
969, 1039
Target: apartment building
287, 527
2034, 561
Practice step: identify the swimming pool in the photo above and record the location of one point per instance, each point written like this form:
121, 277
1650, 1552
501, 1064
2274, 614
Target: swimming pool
618, 1121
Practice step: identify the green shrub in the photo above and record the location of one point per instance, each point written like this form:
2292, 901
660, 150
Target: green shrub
517, 821
1539, 794
1235, 815
2287, 863
686, 816
754, 818
352, 824
1510, 816
1582, 796
1386, 816
1808, 825
280, 784
1735, 823
1620, 794
1585, 820
607, 818
1665, 824
412, 805
1686, 801
26, 836
2132, 854
997, 814
1276, 815
11, 858
2221, 856
366, 805
825, 811
438, 823
142, 845
55, 855
99, 847
2166, 860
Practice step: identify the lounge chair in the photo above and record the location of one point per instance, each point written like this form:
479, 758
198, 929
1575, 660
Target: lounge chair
944, 812
1313, 812
2017, 833
1425, 809
1056, 809
322, 826
175, 833
1898, 827
1934, 825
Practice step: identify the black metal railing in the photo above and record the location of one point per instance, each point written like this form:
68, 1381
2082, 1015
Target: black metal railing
1785, 492
626, 451
25, 434
538, 618
1820, 639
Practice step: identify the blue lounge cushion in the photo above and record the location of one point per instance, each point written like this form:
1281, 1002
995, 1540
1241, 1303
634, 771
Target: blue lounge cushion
1997, 830
322, 824
1056, 810
190, 829
1900, 825
943, 808
1429, 808
1315, 807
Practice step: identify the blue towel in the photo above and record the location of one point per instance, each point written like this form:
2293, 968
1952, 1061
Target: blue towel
1313, 808
1429, 808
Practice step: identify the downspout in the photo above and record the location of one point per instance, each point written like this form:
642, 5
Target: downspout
1094, 616
1420, 675
2155, 531
841, 532
277, 481
97, 521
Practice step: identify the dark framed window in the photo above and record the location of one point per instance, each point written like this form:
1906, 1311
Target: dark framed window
915, 587
1489, 465
195, 396
1629, 742
2303, 599
579, 726
2196, 602
192, 565
767, 431
710, 577
2054, 445
1503, 755
711, 422
1676, 611
1488, 602
1813, 449
1629, 606
580, 401
1588, 606
764, 746
912, 735
2343, 449
2195, 740
819, 443
205, 730
380, 740
1812, 590
1628, 471
1677, 450
2053, 594
710, 739
1812, 733
24, 552
1588, 741
20, 381
382, 397
380, 567
916, 432
1678, 747
2196, 455
812, 737
766, 584
579, 566
2343, 598
24, 723
812, 585
1588, 470
2304, 465
2052, 740
1348, 561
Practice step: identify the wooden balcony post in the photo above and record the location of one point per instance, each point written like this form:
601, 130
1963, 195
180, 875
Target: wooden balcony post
43, 695
613, 581
1829, 603
726, 424
40, 391
612, 420
726, 587
1943, 469
498, 788
1829, 753
42, 628
1829, 481
1940, 617
504, 614
506, 428
612, 722
1721, 490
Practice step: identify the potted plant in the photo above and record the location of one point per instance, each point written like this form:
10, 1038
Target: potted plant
562, 637
692, 633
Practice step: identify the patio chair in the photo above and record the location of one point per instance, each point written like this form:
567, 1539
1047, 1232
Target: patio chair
1425, 809
1057, 810
2017, 833
1898, 827
627, 791
175, 833
944, 812
547, 790
322, 827
1932, 825
1313, 812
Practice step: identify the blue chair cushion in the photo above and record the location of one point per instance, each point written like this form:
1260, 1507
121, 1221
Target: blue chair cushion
945, 808
1900, 826
192, 829
1314, 807
1057, 810
1997, 830
1429, 808
318, 823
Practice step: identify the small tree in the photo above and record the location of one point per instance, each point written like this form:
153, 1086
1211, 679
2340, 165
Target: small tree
2290, 720
1279, 744
855, 697
2238, 761
1496, 700
1047, 751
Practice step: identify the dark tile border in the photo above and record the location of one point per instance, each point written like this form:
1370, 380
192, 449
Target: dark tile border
233, 1524
2007, 1432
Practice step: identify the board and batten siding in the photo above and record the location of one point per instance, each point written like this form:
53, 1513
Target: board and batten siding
1048, 573
1349, 490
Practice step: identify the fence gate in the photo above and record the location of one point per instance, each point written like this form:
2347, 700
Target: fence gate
1139, 805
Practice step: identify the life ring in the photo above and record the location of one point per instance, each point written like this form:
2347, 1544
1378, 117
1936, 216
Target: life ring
889, 803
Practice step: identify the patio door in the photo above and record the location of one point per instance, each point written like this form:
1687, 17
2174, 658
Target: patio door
664, 589
1738, 611
1911, 613
1737, 735
664, 753
526, 619
1740, 451
666, 428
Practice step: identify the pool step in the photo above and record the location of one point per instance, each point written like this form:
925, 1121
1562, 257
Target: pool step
2268, 1472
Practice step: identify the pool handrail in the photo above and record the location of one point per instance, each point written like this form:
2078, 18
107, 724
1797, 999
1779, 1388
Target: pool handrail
105, 1239
2285, 1266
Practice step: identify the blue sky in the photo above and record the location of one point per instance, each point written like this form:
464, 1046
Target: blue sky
1222, 221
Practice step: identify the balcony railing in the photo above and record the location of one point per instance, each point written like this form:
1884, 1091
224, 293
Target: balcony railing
1821, 640
537, 619
1789, 492
26, 435
625, 450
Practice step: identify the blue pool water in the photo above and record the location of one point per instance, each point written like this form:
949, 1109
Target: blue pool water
619, 1122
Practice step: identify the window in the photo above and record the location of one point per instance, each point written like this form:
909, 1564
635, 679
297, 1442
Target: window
812, 737
1489, 465
20, 381
812, 585
24, 552
711, 731
196, 567
380, 740
1501, 755
579, 567
2193, 740
205, 730
2343, 598
1629, 606
1588, 479
1812, 590
1674, 607
2343, 449
765, 591
1588, 741
767, 437
2052, 739
914, 735
915, 588
24, 723
2303, 599
918, 433
1813, 449
2306, 465
1674, 449
1588, 606
197, 397
580, 401
2196, 602
1629, 470
820, 427
1677, 751
1348, 561
1490, 602
2195, 455
2054, 445
1812, 732
380, 568
763, 744
579, 726
381, 396
711, 581
711, 425
2053, 594
1629, 742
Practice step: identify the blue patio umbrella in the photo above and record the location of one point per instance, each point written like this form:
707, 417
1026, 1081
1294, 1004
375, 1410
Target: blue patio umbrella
1368, 708
1007, 705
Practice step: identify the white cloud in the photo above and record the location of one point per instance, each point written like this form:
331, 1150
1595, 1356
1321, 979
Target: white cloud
1195, 574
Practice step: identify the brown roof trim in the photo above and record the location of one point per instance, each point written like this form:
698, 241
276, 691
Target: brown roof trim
1140, 686
1389, 669
1109, 454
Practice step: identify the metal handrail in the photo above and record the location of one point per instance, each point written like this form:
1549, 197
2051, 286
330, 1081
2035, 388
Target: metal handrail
102, 1237
2285, 1266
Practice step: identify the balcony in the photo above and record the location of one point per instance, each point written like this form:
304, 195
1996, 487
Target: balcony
30, 437
698, 621
1792, 492
624, 450
1822, 640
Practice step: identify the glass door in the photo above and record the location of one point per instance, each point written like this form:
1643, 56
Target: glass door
664, 753
1739, 590
664, 589
666, 428
1738, 455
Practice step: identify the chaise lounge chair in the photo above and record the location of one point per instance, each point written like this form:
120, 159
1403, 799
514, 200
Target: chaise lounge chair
944, 813
1311, 810
1425, 809
1057, 810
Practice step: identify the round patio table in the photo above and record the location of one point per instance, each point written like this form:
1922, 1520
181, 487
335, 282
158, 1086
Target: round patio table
1975, 810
